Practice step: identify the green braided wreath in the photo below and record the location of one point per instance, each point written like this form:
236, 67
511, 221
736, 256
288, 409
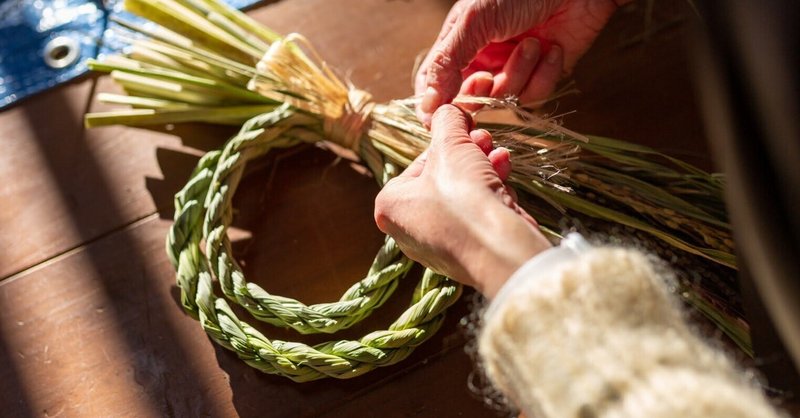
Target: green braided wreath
203, 212
214, 64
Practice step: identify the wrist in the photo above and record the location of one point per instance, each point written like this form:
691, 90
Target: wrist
505, 241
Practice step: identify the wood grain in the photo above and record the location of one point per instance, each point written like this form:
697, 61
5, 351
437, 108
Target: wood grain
91, 325
100, 330
79, 185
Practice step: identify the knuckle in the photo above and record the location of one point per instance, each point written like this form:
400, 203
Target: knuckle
382, 212
439, 70
446, 115
443, 77
479, 21
450, 125
420, 81
487, 16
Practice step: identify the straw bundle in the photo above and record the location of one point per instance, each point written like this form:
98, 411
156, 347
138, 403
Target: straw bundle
197, 66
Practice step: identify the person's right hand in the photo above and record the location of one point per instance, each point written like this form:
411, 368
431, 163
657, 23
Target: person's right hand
451, 211
507, 47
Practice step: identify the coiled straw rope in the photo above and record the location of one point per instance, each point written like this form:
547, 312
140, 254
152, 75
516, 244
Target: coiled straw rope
198, 66
203, 214
200, 250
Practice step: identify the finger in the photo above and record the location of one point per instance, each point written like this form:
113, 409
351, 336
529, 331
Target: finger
512, 192
450, 126
422, 75
450, 20
385, 204
420, 86
492, 58
501, 162
479, 85
387, 199
472, 31
544, 78
518, 69
483, 139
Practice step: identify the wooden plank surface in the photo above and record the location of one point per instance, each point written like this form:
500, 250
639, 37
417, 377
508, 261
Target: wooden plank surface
95, 334
91, 323
79, 185
635, 83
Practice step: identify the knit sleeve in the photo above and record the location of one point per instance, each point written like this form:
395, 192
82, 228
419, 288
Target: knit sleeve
599, 336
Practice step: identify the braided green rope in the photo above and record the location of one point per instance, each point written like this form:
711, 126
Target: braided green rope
339, 359
203, 212
211, 72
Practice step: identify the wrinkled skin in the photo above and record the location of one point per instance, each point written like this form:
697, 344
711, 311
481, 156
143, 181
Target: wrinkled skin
507, 47
451, 210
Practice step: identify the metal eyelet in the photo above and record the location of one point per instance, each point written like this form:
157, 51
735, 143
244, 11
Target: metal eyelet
61, 52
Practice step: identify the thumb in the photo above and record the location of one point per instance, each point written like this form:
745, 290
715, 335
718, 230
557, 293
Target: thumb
450, 126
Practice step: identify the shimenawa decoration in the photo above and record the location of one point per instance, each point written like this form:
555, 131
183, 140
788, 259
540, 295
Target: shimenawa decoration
196, 65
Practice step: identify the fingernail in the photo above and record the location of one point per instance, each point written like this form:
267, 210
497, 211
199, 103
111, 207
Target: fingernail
483, 139
431, 100
483, 85
554, 54
530, 48
468, 117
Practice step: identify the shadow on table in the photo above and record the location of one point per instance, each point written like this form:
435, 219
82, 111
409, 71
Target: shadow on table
86, 192
15, 400
309, 234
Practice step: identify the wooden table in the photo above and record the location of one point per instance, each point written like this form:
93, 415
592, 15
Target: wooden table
91, 324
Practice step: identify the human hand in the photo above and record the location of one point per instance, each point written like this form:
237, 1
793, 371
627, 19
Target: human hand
451, 211
507, 47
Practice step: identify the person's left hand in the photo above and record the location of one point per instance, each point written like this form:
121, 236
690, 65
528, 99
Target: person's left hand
451, 211
504, 48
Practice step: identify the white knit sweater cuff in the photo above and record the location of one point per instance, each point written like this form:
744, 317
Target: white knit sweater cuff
541, 265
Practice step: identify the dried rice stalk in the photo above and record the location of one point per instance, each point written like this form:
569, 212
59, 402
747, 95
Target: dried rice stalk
197, 67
